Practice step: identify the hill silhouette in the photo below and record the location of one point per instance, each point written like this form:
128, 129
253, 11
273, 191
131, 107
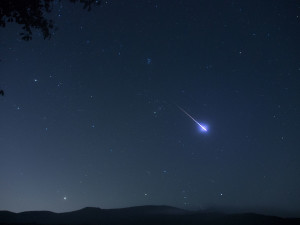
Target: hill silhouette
146, 215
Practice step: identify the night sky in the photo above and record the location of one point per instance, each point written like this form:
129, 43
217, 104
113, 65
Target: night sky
95, 115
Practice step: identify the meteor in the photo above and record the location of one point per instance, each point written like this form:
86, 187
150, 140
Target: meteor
202, 127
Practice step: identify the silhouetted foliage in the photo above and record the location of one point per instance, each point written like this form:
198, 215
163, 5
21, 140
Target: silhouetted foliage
2, 92
31, 14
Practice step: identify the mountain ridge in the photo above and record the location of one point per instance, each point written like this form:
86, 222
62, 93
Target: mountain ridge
147, 215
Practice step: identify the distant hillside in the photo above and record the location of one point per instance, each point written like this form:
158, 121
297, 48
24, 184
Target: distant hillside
144, 215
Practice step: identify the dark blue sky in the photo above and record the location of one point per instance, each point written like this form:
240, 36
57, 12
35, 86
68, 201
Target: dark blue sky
89, 117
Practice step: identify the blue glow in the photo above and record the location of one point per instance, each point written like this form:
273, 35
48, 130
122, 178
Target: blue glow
203, 128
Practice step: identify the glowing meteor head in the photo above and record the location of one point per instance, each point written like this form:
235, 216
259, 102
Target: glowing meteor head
203, 128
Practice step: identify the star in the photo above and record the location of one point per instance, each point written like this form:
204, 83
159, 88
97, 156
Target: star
149, 60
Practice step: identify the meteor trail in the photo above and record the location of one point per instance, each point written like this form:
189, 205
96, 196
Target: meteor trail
202, 127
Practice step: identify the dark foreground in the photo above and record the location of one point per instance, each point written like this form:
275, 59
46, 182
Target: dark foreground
143, 215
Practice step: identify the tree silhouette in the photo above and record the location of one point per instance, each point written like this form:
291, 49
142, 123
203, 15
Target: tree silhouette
31, 14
